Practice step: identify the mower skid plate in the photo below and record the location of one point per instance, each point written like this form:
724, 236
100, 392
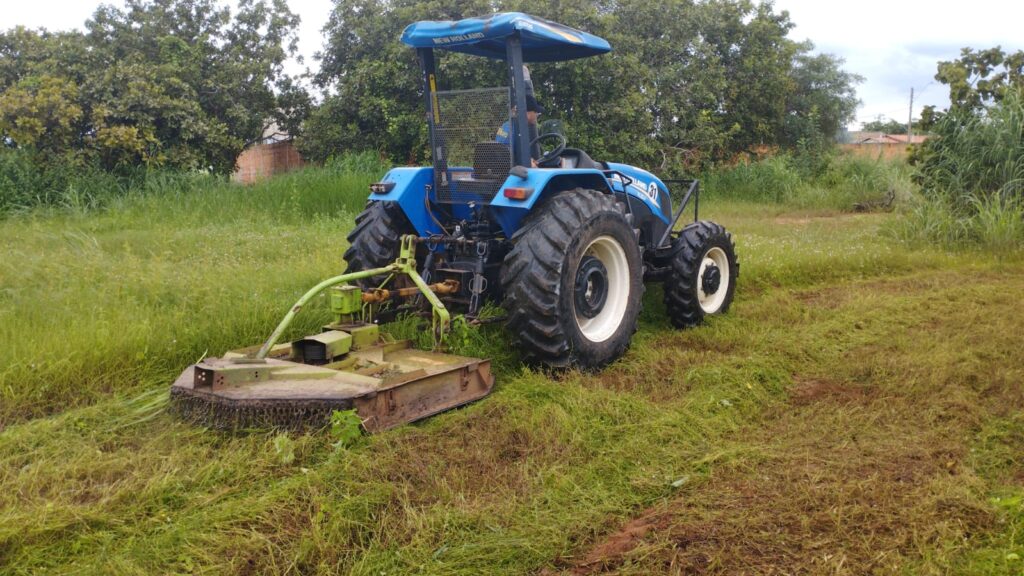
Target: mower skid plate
388, 385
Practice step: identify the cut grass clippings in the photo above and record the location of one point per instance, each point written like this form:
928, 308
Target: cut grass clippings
872, 465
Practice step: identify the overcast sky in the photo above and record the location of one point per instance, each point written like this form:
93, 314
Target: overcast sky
894, 44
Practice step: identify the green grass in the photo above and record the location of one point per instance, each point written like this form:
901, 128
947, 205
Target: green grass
840, 183
987, 223
107, 301
100, 310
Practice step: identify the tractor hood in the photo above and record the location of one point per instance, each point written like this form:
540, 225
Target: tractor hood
542, 40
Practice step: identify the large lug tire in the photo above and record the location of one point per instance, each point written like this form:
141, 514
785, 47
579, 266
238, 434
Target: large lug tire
376, 240
702, 274
573, 282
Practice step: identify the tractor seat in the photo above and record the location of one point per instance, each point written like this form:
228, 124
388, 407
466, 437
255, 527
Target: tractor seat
576, 158
491, 161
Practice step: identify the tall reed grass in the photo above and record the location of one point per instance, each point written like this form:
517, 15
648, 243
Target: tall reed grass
972, 181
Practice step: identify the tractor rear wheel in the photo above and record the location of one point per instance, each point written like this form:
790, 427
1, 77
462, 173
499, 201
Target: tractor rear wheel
376, 239
573, 281
702, 275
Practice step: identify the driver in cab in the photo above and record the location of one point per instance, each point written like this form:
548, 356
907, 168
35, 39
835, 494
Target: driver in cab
533, 110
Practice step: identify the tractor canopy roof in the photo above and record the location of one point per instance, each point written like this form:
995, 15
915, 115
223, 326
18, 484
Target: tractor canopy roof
542, 40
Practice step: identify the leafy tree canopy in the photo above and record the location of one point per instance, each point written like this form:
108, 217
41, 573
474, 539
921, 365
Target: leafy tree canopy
886, 125
981, 77
687, 83
890, 126
978, 151
177, 83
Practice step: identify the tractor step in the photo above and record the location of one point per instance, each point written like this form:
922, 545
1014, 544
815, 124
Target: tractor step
386, 384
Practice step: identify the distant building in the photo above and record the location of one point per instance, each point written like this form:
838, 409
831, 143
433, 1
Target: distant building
883, 138
904, 139
880, 144
272, 154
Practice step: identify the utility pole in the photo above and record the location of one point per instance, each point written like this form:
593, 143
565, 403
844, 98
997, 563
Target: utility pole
910, 117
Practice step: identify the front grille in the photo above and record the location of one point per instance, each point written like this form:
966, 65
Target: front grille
472, 157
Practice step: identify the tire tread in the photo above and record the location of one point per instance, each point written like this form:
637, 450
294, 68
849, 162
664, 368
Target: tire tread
531, 275
680, 290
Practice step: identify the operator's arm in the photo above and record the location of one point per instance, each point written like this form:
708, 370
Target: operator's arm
531, 129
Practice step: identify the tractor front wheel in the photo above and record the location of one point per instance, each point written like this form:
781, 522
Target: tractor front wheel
573, 281
702, 276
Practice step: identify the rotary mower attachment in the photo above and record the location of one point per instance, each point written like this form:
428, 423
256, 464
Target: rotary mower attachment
298, 385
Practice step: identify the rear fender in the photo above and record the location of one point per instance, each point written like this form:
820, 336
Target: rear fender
545, 182
409, 191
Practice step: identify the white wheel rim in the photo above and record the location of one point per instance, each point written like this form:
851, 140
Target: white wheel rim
611, 254
716, 257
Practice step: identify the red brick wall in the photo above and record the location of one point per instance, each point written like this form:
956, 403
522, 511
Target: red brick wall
877, 151
264, 160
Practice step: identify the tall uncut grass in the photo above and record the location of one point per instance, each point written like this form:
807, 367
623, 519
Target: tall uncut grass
840, 183
972, 181
94, 301
26, 190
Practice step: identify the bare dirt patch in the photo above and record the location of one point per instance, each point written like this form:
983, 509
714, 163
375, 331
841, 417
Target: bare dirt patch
812, 390
622, 542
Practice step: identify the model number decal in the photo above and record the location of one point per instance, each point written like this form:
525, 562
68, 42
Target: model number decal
650, 190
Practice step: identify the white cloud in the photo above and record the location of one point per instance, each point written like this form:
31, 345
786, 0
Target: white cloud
897, 44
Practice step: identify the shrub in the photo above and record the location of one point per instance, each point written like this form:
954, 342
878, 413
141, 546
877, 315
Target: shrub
972, 179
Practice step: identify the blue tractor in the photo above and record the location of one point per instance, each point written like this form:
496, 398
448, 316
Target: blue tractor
510, 213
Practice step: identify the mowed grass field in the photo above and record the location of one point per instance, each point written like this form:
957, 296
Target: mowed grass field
858, 411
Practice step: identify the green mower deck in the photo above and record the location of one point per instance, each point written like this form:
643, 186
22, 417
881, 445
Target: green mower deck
345, 367
387, 385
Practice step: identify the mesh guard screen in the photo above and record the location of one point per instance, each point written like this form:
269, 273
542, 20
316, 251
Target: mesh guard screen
472, 144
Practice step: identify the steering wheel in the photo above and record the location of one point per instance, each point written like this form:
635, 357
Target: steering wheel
552, 154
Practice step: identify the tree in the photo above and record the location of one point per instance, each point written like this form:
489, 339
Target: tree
824, 98
977, 153
688, 83
177, 83
887, 126
981, 77
40, 112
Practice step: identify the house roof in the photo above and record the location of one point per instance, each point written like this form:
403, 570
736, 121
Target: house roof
883, 138
913, 139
